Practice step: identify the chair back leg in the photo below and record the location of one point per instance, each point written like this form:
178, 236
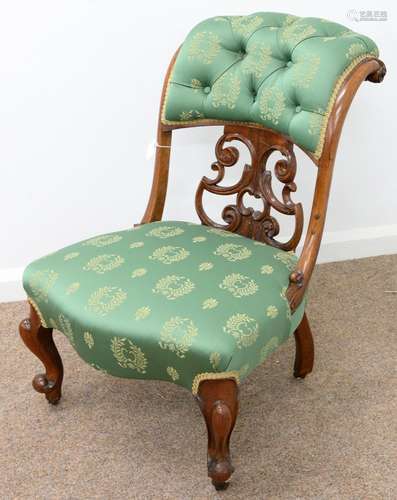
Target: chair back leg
304, 357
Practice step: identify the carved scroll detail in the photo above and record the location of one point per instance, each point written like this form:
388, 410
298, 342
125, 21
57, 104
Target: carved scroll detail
255, 180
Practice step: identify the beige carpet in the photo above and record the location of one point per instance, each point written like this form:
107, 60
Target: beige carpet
332, 436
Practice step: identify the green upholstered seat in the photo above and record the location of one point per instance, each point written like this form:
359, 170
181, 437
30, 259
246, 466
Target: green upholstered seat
167, 300
272, 69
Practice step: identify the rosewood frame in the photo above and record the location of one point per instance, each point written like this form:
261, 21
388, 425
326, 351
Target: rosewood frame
218, 399
214, 395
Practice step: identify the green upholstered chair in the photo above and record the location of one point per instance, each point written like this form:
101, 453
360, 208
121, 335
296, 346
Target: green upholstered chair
201, 305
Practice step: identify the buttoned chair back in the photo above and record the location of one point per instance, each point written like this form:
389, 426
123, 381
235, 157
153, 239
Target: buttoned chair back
273, 81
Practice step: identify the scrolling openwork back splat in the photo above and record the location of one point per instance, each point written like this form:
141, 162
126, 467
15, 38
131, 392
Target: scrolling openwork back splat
256, 180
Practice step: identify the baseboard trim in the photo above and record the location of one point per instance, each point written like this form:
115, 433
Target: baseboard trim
336, 246
358, 243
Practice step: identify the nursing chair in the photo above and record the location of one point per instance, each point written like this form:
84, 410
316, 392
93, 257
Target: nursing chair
201, 305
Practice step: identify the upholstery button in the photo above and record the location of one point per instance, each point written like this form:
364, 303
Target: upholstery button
207, 90
289, 64
298, 109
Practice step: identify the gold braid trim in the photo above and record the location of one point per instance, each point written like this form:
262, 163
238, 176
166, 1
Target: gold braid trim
36, 308
164, 105
331, 102
213, 376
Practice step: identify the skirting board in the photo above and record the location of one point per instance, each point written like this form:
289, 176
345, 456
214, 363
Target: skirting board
336, 246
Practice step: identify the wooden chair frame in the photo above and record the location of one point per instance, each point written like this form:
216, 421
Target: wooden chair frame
218, 399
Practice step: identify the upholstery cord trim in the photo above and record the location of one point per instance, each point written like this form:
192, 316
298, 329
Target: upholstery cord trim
213, 376
36, 308
331, 102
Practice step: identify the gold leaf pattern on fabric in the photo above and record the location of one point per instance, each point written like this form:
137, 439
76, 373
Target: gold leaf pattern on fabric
204, 47
257, 59
192, 114
169, 254
243, 328
233, 252
173, 373
209, 303
304, 70
268, 348
272, 312
71, 255
41, 283
137, 314
177, 335
289, 259
355, 50
272, 104
105, 300
205, 266
72, 288
101, 264
137, 244
239, 285
226, 91
316, 120
88, 339
289, 19
173, 287
245, 25
165, 232
215, 359
196, 84
103, 241
142, 312
128, 355
139, 272
295, 32
283, 295
223, 233
266, 269
65, 326
199, 239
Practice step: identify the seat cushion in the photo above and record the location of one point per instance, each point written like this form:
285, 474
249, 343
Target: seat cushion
167, 300
275, 70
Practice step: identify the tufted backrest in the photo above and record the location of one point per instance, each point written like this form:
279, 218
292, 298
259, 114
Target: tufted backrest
276, 70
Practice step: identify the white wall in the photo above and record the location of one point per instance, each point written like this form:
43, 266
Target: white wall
80, 82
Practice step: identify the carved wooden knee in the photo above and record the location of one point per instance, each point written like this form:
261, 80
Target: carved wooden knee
39, 340
219, 404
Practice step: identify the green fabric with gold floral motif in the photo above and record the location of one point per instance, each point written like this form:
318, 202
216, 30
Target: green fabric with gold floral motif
272, 69
167, 300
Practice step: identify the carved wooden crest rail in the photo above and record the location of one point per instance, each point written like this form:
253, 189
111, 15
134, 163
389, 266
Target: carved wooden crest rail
256, 180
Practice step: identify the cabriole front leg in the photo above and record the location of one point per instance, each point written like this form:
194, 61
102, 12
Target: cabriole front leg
39, 340
218, 400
